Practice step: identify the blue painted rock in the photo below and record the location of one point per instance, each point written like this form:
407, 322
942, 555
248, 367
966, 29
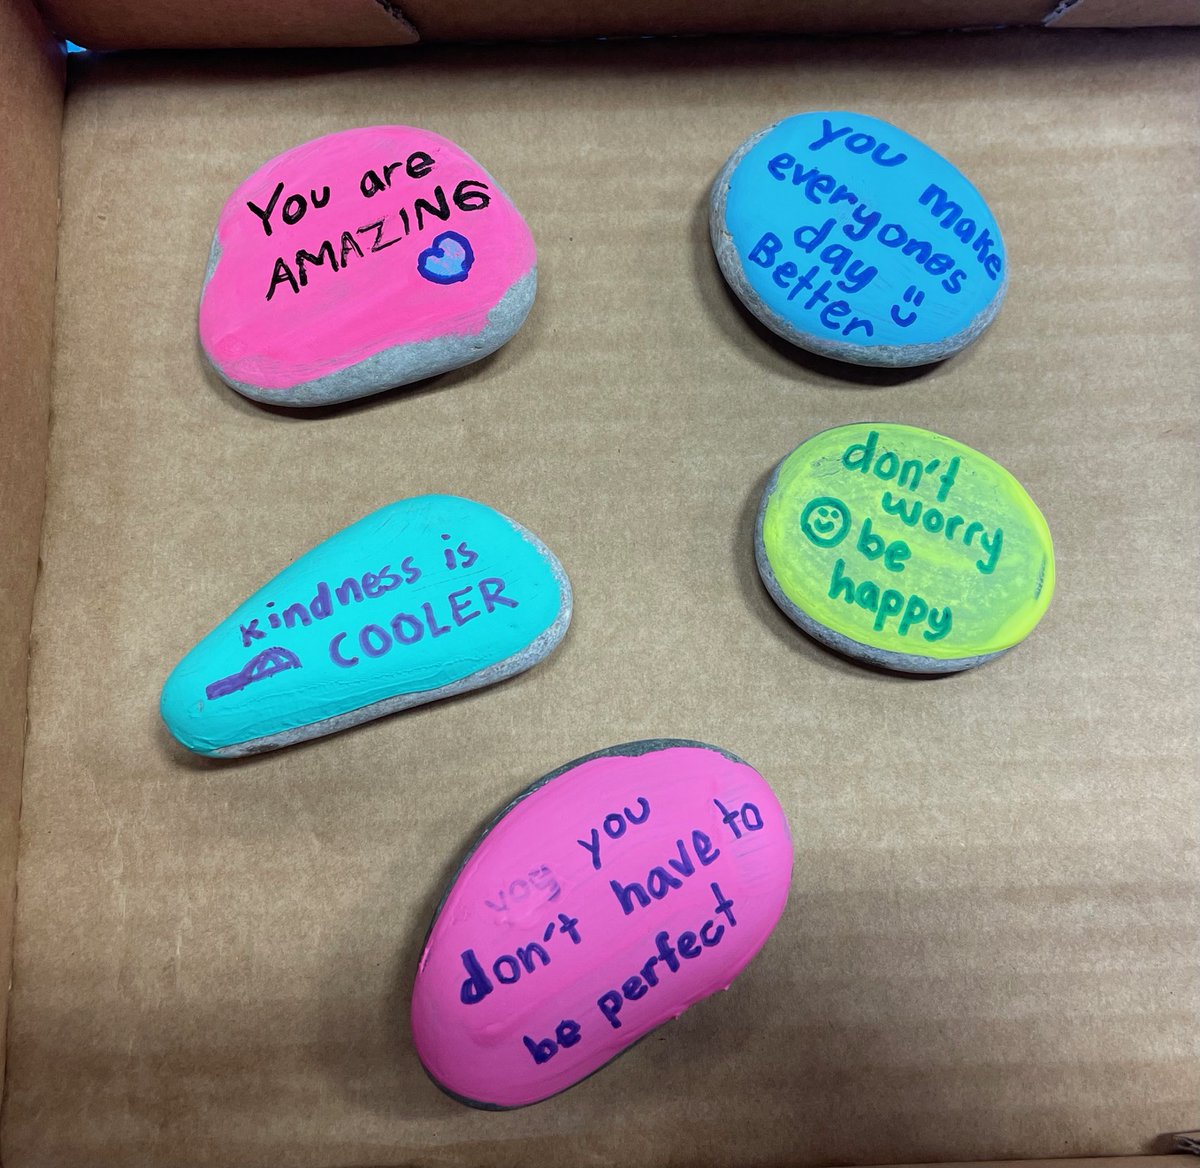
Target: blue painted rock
363, 260
421, 599
850, 238
609, 897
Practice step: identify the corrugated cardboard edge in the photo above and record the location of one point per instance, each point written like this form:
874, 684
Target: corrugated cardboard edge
230, 24
31, 103
439, 20
1168, 1161
1122, 14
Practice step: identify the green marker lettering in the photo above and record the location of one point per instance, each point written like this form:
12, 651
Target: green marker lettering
839, 581
915, 465
947, 479
992, 547
914, 613
862, 460
911, 500
891, 460
939, 624
897, 552
909, 510
890, 604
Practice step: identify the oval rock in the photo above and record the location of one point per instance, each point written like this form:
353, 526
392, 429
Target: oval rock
422, 599
904, 548
363, 260
852, 239
613, 894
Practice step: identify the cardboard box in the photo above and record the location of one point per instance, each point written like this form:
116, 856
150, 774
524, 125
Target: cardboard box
990, 950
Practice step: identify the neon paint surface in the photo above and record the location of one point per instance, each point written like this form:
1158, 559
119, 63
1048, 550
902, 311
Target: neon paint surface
691, 826
374, 301
421, 595
876, 509
842, 193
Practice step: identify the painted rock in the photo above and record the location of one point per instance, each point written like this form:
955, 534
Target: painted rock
422, 599
608, 898
360, 261
904, 548
850, 238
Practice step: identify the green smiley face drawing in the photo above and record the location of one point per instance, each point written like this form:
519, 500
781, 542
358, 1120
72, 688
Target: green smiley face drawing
825, 521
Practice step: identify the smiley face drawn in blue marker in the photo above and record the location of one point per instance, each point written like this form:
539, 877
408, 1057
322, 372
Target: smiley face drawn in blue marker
825, 521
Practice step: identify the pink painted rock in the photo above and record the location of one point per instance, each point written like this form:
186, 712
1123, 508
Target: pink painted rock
360, 261
612, 895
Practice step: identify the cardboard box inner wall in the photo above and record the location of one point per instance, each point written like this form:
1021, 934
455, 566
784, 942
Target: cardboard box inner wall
31, 103
987, 951
127, 24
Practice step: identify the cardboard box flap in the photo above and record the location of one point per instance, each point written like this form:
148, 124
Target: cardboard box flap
136, 24
456, 20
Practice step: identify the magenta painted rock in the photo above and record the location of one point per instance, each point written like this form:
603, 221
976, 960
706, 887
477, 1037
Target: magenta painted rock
612, 895
360, 261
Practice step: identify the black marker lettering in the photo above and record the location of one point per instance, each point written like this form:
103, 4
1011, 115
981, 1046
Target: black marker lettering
265, 216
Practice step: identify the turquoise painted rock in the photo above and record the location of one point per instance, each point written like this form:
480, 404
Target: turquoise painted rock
422, 599
852, 239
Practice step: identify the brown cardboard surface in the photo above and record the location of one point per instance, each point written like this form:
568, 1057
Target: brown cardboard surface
30, 122
988, 949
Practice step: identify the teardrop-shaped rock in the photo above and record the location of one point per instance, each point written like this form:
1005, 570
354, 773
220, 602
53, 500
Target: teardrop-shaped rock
851, 238
360, 261
613, 894
904, 548
422, 599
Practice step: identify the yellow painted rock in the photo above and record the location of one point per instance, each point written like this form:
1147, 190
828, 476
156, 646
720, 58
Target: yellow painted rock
904, 548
